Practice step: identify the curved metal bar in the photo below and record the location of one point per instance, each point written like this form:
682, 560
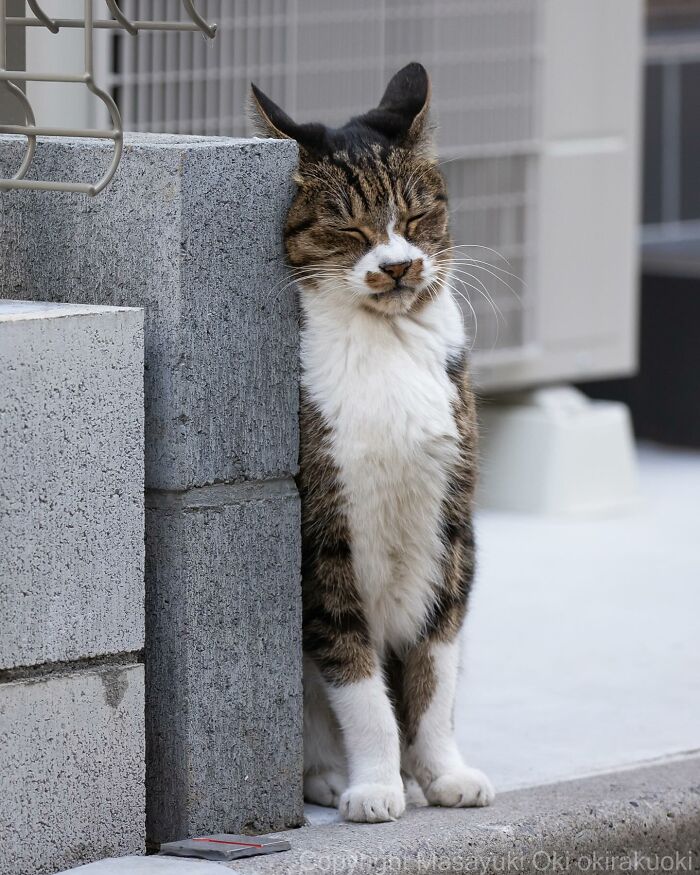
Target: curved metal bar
44, 185
108, 24
47, 131
118, 137
118, 130
125, 22
42, 16
30, 148
209, 30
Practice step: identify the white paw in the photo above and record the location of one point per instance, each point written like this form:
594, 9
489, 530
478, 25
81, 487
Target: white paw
324, 788
372, 803
464, 788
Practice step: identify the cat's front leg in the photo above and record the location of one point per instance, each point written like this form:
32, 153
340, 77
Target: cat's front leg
337, 640
371, 741
431, 752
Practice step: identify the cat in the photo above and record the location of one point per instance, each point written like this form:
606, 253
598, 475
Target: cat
387, 458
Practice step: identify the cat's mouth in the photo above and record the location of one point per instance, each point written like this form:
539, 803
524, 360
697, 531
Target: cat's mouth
395, 292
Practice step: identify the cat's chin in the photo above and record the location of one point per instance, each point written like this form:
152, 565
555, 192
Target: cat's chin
395, 302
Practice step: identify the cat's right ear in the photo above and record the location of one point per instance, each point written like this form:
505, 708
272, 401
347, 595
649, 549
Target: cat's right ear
271, 120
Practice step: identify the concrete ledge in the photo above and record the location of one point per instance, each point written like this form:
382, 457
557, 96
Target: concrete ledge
592, 825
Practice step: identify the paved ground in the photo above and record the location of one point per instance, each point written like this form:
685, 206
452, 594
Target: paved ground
582, 647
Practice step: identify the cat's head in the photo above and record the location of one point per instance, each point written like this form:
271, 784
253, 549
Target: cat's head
369, 219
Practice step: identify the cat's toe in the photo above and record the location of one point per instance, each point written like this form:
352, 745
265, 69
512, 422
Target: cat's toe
465, 788
372, 803
324, 788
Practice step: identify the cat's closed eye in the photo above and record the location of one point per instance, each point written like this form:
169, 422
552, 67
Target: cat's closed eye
357, 233
412, 222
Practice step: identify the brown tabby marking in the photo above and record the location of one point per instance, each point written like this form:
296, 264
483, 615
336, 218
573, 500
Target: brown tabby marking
335, 627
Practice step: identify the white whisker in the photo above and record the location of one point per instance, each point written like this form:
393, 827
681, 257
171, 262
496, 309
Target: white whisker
483, 291
494, 275
476, 246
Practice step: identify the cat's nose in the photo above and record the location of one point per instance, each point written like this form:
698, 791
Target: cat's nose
396, 269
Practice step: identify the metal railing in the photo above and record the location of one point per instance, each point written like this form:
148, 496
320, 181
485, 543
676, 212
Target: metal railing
115, 133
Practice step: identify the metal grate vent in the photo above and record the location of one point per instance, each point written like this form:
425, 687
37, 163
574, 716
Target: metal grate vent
324, 59
491, 203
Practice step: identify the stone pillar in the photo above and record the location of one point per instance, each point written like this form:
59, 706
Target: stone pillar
71, 585
190, 229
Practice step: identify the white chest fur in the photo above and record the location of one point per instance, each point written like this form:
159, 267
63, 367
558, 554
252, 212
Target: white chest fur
382, 387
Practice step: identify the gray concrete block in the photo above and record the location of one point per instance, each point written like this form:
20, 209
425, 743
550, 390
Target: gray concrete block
71, 768
223, 661
191, 230
71, 482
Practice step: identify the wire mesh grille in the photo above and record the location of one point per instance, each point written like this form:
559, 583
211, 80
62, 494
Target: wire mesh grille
327, 59
491, 206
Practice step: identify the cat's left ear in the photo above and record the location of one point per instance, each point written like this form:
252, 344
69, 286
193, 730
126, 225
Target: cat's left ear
402, 114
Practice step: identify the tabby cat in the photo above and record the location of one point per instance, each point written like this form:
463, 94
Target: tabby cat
387, 462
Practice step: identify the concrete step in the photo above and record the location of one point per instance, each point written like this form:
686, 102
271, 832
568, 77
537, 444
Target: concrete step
573, 826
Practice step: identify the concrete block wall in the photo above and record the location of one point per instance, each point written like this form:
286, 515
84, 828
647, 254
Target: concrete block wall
190, 229
71, 585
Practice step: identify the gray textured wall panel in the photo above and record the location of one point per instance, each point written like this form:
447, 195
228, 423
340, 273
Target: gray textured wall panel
71, 787
223, 661
71, 482
190, 229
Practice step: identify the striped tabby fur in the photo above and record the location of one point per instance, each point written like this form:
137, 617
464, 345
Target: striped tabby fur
388, 442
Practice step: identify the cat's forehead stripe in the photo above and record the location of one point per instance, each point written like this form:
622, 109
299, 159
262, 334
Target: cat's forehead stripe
369, 178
